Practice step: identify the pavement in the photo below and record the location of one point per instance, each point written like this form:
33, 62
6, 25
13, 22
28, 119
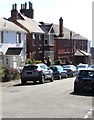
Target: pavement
10, 83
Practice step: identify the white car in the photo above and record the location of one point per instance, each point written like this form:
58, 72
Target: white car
82, 67
71, 70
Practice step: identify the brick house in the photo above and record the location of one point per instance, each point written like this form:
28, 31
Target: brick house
45, 39
63, 43
34, 37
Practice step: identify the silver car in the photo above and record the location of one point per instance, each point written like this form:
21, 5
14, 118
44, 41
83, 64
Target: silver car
36, 72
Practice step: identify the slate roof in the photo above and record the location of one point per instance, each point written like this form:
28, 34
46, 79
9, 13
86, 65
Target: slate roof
6, 25
47, 26
81, 53
30, 24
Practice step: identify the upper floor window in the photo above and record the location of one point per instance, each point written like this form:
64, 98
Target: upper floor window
18, 37
1, 37
33, 36
34, 39
40, 39
46, 39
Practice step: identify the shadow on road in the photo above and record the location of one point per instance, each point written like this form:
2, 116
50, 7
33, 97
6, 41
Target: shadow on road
83, 94
29, 84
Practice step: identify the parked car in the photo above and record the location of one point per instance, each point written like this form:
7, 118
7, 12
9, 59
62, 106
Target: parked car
71, 70
84, 81
82, 66
58, 72
91, 67
36, 72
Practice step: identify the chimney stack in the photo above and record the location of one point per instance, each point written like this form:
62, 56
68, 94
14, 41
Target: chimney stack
14, 12
61, 34
27, 12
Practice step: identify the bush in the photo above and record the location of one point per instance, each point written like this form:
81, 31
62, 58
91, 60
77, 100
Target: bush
8, 74
29, 61
5, 74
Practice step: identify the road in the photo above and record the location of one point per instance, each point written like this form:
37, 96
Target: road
49, 100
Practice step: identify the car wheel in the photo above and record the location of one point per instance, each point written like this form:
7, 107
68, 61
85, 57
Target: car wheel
59, 76
76, 90
66, 76
34, 81
42, 79
23, 82
73, 75
52, 79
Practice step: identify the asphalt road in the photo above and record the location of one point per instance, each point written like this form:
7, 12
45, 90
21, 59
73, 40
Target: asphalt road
49, 100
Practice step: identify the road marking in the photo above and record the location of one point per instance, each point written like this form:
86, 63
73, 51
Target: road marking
88, 114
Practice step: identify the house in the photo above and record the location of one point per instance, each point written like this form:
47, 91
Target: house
35, 35
62, 42
48, 39
12, 44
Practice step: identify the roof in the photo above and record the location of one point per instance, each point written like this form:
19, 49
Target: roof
81, 53
14, 51
6, 25
54, 29
30, 24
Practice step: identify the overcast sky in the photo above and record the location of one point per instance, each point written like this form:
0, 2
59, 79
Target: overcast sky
77, 14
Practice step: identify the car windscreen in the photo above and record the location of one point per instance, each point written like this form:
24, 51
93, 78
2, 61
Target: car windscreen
66, 67
86, 73
81, 66
59, 68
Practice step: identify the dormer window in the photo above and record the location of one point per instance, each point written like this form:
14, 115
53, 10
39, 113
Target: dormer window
18, 37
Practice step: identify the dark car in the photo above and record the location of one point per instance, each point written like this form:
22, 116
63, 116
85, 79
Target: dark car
36, 72
84, 81
58, 72
71, 70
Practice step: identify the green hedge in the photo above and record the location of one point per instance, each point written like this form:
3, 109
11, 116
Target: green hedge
8, 74
29, 61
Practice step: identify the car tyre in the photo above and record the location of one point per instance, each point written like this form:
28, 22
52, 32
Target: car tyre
52, 79
34, 82
59, 77
23, 82
42, 79
76, 90
73, 75
66, 76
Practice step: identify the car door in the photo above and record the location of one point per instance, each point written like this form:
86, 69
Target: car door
45, 70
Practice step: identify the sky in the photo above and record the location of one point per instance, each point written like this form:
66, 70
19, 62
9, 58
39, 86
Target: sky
76, 14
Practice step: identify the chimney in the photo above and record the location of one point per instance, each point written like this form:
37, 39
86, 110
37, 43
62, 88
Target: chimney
30, 5
25, 5
14, 12
27, 12
61, 34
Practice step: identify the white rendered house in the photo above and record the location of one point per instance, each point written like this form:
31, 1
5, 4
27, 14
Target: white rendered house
12, 44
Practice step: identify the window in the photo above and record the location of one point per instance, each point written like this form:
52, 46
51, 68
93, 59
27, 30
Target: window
46, 42
33, 39
2, 37
45, 39
33, 36
40, 39
18, 37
